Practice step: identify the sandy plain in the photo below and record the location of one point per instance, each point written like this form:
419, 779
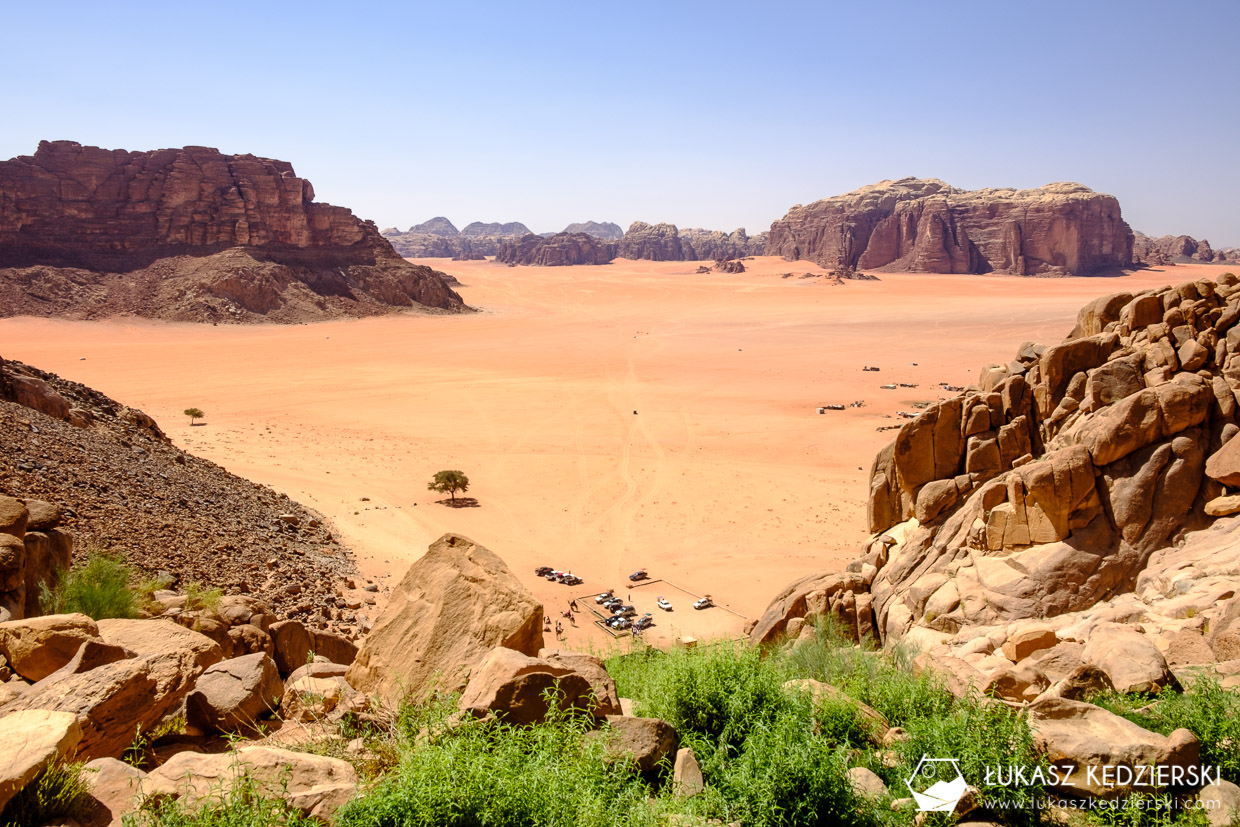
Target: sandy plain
609, 418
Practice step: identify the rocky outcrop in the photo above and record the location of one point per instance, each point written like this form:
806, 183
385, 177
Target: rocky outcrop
438, 238
232, 695
157, 506
519, 688
1178, 249
605, 230
453, 605
29, 742
654, 242
926, 226
1015, 525
190, 234
561, 249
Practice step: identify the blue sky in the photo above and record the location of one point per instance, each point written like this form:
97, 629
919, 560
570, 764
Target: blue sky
702, 114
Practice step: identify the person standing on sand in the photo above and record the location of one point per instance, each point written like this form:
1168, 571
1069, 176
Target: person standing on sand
559, 630
573, 606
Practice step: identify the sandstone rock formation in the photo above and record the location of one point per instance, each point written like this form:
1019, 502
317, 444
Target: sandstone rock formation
436, 226
517, 688
713, 245
159, 507
561, 249
1175, 249
190, 235
233, 695
1046, 533
926, 226
605, 230
438, 238
29, 742
644, 741
654, 242
453, 605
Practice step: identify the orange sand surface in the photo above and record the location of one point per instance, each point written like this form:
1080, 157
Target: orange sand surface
609, 418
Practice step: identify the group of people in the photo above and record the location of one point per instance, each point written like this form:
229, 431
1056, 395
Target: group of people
559, 626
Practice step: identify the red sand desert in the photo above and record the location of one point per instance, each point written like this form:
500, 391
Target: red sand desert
609, 418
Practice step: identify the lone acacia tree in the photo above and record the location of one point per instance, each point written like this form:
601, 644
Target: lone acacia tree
193, 413
449, 482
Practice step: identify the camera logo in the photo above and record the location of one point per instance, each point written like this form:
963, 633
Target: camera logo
939, 785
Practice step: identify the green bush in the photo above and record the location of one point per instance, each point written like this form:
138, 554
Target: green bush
58, 792
1204, 709
495, 774
243, 807
99, 589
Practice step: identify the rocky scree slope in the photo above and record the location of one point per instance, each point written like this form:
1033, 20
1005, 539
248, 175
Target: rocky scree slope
1078, 496
190, 234
925, 226
123, 487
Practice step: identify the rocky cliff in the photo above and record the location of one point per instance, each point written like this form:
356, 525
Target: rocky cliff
926, 226
190, 234
1077, 485
438, 238
665, 242
1173, 249
561, 249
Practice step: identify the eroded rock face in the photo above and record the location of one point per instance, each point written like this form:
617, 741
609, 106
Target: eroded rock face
561, 249
190, 234
516, 687
453, 605
1174, 249
926, 226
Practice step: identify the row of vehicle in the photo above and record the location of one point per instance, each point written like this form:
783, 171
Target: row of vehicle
565, 577
621, 622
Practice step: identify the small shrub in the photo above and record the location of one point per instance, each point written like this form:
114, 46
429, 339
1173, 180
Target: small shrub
58, 792
245, 806
99, 589
199, 598
1146, 809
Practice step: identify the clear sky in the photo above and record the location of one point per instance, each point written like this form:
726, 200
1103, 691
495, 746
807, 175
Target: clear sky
719, 114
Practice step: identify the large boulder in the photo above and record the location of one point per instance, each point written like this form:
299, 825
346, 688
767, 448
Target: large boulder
592, 669
29, 741
645, 741
314, 784
1130, 660
116, 788
115, 701
293, 644
37, 647
1086, 738
1224, 464
516, 687
230, 696
159, 637
453, 605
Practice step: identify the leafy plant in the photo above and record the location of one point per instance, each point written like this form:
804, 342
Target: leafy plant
193, 413
99, 589
449, 482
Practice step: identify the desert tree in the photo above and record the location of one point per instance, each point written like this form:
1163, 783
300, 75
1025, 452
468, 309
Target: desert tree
449, 482
193, 413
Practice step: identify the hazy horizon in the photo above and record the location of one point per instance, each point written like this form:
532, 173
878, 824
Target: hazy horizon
718, 116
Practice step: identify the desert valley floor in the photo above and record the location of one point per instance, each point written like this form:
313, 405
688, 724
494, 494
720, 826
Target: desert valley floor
609, 418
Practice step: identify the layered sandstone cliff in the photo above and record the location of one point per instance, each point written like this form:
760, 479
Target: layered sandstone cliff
190, 234
926, 226
666, 242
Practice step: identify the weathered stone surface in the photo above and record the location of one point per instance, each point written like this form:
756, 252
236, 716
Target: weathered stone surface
453, 605
926, 226
1224, 464
314, 784
592, 669
116, 788
1081, 735
293, 644
111, 702
687, 778
232, 695
1221, 802
192, 235
158, 636
867, 784
29, 741
1028, 641
37, 647
1129, 659
644, 741
309, 698
514, 686
655, 242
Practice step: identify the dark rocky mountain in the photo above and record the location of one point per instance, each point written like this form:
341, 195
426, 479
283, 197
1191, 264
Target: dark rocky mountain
605, 230
915, 225
561, 249
438, 238
436, 226
190, 235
